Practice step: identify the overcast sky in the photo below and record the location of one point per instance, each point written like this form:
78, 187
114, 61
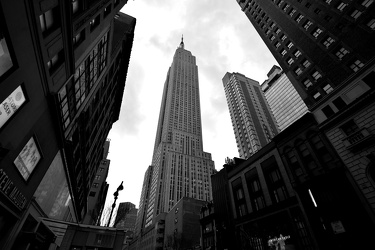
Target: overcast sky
221, 38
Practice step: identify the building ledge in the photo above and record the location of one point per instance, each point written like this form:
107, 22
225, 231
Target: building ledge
359, 140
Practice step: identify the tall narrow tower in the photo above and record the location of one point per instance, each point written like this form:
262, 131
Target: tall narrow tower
252, 119
180, 166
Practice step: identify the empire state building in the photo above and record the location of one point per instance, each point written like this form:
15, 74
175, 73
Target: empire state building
180, 167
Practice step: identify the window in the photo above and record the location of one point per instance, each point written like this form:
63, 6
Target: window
286, 6
293, 162
299, 18
239, 197
283, 52
298, 71
306, 63
316, 75
64, 108
307, 24
356, 65
277, 45
277, 31
367, 3
97, 177
328, 41
27, 159
328, 1
255, 190
107, 10
327, 88
308, 5
11, 105
328, 18
94, 23
317, 32
55, 61
272, 38
317, 96
49, 20
306, 156
290, 60
101, 170
297, 53
350, 127
78, 39
95, 185
307, 83
355, 14
290, 45
6, 62
76, 6
341, 6
339, 103
291, 12
341, 52
92, 194
283, 38
317, 11
371, 24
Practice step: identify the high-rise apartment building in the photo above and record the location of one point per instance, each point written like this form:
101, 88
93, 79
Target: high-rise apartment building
63, 66
180, 167
252, 120
286, 105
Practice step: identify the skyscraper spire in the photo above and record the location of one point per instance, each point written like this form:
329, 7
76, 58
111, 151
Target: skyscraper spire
182, 42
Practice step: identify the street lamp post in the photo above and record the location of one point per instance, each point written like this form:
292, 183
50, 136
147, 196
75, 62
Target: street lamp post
115, 194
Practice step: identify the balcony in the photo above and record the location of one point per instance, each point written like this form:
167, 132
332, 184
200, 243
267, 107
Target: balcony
359, 140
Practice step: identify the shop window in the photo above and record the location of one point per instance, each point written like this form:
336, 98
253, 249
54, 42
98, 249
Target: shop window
371, 24
28, 158
6, 62
11, 105
49, 20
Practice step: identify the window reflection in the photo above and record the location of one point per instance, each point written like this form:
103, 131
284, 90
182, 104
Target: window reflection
53, 194
5, 59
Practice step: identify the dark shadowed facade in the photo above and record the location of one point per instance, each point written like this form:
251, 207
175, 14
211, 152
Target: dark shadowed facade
63, 66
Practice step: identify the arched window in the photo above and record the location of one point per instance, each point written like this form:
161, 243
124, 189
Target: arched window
306, 156
320, 148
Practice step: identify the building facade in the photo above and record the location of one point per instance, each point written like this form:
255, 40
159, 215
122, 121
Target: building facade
326, 48
98, 191
126, 216
286, 105
62, 76
180, 167
253, 122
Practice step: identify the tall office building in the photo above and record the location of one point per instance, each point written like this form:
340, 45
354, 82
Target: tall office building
180, 167
63, 66
253, 122
322, 46
327, 50
286, 105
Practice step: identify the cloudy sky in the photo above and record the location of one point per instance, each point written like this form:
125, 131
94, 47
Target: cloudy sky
221, 38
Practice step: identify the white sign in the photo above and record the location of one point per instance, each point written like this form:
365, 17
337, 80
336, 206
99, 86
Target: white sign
27, 159
11, 104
